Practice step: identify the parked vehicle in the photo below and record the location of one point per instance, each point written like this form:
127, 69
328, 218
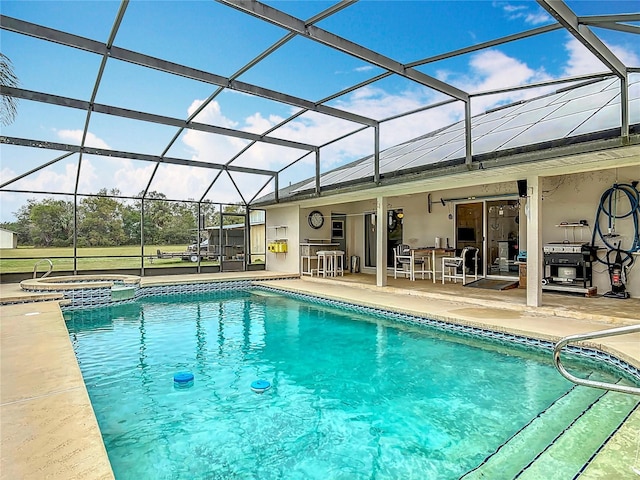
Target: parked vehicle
204, 245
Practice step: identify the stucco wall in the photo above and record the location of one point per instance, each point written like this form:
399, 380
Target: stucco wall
286, 219
572, 198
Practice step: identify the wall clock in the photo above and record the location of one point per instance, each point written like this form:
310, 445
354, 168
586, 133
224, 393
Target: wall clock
316, 219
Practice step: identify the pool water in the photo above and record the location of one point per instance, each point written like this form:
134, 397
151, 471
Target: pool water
352, 396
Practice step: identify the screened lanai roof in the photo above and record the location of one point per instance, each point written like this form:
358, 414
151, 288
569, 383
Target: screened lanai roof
589, 111
228, 101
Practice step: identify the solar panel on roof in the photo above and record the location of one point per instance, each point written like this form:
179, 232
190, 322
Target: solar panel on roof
548, 130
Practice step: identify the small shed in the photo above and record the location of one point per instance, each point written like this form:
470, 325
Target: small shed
8, 239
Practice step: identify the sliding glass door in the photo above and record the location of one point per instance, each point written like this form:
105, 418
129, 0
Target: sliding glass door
492, 227
502, 237
469, 228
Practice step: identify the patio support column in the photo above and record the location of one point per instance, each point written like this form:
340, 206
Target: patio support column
376, 155
467, 134
142, 236
534, 242
624, 106
317, 171
381, 241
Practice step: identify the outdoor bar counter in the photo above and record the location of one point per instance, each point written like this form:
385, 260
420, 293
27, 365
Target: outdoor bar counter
309, 254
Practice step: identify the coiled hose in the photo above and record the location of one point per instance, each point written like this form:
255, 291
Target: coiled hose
608, 208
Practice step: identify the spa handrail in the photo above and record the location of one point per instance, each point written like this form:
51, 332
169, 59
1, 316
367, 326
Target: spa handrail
35, 267
587, 336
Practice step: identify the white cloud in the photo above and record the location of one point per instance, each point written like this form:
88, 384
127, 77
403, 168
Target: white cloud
210, 114
492, 70
131, 178
495, 70
488, 70
180, 182
57, 179
221, 149
256, 123
75, 136
208, 147
582, 61
522, 12
513, 8
536, 18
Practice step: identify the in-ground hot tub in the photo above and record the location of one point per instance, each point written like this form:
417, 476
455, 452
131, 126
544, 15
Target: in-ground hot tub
87, 290
76, 282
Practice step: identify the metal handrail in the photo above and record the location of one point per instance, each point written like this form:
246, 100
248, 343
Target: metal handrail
587, 336
35, 267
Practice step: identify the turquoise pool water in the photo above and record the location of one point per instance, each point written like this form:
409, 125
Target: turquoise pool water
353, 396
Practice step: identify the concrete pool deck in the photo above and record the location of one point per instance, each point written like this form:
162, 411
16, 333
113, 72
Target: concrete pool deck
48, 427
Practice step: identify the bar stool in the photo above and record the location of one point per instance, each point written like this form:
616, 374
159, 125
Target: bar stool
325, 262
338, 263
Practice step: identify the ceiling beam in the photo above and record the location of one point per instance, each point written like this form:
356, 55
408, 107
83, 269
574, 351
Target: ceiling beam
103, 152
622, 17
488, 44
324, 37
148, 117
86, 44
620, 27
578, 78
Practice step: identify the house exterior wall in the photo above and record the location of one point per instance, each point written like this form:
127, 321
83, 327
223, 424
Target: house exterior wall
283, 223
8, 239
565, 198
571, 198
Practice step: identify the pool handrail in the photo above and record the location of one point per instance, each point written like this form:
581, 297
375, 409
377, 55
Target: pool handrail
35, 268
588, 336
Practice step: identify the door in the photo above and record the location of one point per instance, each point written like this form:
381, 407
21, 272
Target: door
502, 237
499, 245
233, 242
469, 228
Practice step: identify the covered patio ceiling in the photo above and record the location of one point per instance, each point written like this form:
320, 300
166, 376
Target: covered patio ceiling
232, 101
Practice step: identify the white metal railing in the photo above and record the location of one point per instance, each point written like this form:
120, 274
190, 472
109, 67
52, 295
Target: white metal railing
35, 267
588, 336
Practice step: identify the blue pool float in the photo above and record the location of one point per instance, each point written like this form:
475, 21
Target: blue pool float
183, 379
260, 386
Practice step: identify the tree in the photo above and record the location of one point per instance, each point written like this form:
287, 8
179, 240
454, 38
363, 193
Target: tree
157, 215
50, 222
229, 217
131, 224
106, 220
9, 105
182, 227
100, 220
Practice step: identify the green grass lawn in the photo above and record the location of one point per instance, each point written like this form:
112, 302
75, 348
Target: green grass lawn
23, 259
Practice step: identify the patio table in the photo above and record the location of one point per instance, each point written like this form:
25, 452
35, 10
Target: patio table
434, 253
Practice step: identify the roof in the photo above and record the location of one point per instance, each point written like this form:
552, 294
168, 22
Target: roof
566, 116
140, 98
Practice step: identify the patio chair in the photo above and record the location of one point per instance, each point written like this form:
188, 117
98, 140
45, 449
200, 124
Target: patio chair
461, 267
402, 262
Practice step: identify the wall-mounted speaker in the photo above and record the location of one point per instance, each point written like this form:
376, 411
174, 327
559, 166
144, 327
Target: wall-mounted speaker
522, 188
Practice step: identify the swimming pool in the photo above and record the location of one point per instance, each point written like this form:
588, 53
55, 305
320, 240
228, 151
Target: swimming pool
352, 395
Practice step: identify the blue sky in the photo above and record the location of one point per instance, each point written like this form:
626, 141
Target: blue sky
208, 36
